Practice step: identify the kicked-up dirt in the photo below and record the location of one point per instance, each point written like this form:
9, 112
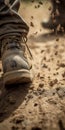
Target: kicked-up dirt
41, 104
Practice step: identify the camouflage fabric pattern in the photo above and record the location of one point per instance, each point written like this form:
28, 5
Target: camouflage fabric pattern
11, 24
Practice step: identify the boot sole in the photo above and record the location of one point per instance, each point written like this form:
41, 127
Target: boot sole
48, 26
19, 76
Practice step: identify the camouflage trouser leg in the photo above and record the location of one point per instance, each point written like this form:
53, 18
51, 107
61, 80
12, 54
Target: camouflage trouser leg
55, 4
62, 2
62, 6
58, 4
11, 24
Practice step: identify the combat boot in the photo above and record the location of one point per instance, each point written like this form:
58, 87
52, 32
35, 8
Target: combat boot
16, 68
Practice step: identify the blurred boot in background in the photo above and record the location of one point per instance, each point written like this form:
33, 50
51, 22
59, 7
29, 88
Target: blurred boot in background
57, 16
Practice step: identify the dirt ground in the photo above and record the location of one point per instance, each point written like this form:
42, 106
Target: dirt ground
41, 104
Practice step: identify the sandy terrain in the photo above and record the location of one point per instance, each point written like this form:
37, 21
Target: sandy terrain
41, 104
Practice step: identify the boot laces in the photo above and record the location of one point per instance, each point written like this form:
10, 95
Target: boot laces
24, 40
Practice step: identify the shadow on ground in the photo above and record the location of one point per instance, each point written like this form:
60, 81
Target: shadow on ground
11, 97
46, 37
